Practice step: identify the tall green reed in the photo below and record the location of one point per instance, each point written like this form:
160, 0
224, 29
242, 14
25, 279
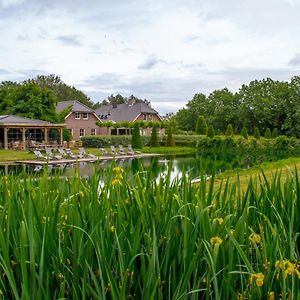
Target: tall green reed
115, 236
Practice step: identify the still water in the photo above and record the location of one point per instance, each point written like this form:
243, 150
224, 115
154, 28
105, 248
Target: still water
192, 166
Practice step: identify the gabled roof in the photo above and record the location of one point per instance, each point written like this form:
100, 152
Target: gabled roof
125, 112
76, 106
11, 119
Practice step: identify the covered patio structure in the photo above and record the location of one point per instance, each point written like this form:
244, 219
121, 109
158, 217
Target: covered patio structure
22, 133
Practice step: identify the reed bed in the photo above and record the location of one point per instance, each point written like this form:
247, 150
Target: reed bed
114, 237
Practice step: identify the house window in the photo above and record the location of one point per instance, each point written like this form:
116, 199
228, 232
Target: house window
93, 131
77, 115
71, 131
85, 116
81, 132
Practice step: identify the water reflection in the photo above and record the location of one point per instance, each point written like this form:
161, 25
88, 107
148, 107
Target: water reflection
192, 166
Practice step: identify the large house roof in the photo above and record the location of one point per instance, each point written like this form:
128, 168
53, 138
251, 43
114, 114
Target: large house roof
20, 120
76, 106
124, 112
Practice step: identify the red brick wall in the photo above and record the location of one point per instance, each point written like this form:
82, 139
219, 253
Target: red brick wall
87, 125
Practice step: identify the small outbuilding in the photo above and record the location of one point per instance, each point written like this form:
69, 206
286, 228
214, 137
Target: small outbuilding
20, 132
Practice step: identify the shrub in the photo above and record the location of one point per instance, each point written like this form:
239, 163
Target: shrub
268, 133
154, 138
104, 141
170, 140
67, 136
274, 133
244, 132
256, 133
201, 126
136, 137
210, 131
229, 130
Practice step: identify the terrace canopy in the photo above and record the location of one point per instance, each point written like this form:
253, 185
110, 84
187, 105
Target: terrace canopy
20, 133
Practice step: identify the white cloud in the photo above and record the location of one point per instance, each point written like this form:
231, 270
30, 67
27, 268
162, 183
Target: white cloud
161, 50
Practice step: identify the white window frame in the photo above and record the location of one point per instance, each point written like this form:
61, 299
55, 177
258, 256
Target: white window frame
93, 131
80, 132
77, 116
85, 116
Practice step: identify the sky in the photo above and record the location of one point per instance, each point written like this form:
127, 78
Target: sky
164, 51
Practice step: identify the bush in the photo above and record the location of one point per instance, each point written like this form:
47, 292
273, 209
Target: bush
210, 131
274, 133
229, 130
256, 133
244, 132
136, 137
170, 140
154, 138
201, 126
268, 133
104, 141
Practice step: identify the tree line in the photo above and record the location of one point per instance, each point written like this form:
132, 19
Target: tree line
265, 104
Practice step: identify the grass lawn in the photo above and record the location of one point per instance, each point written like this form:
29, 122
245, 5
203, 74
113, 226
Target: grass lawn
170, 150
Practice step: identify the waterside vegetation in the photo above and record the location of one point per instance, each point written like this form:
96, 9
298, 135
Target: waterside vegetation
146, 239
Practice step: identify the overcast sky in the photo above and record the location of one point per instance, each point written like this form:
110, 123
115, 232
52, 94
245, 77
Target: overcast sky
162, 50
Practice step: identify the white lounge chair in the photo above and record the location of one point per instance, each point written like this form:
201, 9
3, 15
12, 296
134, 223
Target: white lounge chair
113, 150
39, 155
83, 153
62, 152
51, 155
121, 150
130, 150
70, 154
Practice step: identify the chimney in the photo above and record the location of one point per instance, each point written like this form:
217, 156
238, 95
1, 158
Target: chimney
114, 105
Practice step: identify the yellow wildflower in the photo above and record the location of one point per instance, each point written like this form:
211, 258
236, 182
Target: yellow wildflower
216, 240
118, 170
271, 296
288, 267
115, 181
112, 228
219, 220
255, 238
257, 278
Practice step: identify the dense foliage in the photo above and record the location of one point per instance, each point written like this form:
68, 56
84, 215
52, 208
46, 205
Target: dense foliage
136, 137
154, 138
71, 238
100, 141
263, 103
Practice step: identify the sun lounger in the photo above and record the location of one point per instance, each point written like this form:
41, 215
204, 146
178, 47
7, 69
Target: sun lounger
130, 150
121, 150
39, 155
113, 150
83, 153
70, 154
62, 152
51, 155
103, 151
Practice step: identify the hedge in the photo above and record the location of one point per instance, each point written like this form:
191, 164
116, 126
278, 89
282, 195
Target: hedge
183, 140
100, 141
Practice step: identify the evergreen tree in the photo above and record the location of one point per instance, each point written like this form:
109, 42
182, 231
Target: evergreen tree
154, 138
229, 130
274, 133
136, 137
170, 140
256, 133
268, 133
210, 131
244, 132
201, 126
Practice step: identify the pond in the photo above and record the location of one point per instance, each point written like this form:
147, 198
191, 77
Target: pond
193, 166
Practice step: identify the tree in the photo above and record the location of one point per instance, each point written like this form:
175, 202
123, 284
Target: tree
244, 132
268, 133
170, 140
274, 134
201, 126
229, 130
210, 131
154, 138
136, 137
256, 133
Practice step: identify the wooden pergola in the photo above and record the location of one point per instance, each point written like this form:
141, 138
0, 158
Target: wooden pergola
23, 126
